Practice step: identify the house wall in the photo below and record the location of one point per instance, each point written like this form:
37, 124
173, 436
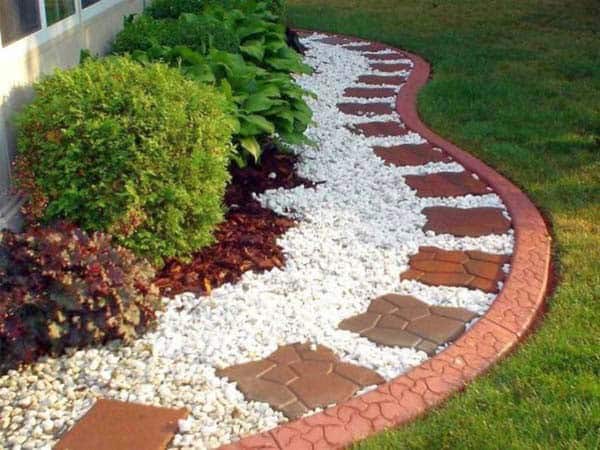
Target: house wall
24, 61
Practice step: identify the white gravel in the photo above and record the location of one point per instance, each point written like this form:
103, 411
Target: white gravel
355, 234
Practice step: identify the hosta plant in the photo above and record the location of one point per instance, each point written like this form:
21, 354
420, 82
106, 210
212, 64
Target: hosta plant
264, 103
61, 287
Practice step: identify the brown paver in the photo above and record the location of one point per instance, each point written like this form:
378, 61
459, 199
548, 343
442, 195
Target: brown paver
297, 378
339, 40
369, 92
388, 67
362, 109
115, 425
462, 222
392, 80
405, 321
411, 154
368, 47
427, 386
470, 269
446, 184
384, 56
380, 129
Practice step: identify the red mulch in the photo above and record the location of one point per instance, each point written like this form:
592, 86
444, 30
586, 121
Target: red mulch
247, 238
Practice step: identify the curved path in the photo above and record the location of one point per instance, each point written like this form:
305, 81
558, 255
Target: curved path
510, 317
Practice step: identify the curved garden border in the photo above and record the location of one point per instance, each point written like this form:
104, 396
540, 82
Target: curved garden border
508, 320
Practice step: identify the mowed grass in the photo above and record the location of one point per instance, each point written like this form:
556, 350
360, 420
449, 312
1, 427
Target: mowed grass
516, 83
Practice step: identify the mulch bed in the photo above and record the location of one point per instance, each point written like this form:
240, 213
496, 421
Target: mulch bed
246, 240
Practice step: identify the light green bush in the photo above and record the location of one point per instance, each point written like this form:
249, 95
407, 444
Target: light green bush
137, 151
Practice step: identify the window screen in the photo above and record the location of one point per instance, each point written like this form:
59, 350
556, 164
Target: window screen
59, 9
18, 18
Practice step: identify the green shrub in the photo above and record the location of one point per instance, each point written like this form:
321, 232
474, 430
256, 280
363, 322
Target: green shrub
200, 33
60, 287
139, 152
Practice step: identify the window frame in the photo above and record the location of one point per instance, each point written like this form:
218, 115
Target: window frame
46, 33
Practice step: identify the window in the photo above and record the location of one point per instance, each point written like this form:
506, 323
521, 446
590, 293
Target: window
86, 3
18, 18
58, 9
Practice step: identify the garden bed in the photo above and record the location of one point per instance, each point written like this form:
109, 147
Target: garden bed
355, 235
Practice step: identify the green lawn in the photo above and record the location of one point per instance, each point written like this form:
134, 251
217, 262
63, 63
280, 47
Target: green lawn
517, 83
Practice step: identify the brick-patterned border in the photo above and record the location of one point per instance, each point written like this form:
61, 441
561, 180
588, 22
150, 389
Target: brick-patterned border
507, 321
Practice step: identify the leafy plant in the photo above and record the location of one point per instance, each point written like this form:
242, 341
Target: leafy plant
198, 32
139, 152
61, 287
163, 9
264, 103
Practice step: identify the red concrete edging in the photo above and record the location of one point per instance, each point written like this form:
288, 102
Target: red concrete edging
501, 328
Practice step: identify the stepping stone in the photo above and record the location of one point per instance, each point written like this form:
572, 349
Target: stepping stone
411, 154
361, 109
384, 56
387, 67
339, 40
446, 184
380, 129
473, 222
469, 269
370, 92
371, 47
405, 321
392, 80
297, 378
114, 425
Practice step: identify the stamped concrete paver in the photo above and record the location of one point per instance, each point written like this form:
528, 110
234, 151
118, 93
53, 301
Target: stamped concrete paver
366, 109
462, 222
405, 321
392, 80
411, 154
298, 377
115, 425
374, 92
470, 269
388, 67
446, 184
380, 129
384, 56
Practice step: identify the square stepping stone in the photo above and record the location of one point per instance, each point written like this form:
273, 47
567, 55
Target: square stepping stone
380, 80
473, 222
384, 56
365, 109
115, 425
380, 129
388, 67
405, 321
446, 184
298, 377
369, 92
411, 154
470, 269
